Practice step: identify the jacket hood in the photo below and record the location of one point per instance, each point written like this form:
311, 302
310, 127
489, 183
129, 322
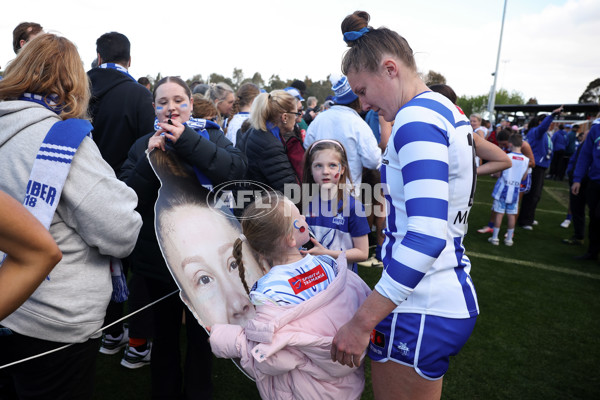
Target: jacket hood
104, 79
17, 115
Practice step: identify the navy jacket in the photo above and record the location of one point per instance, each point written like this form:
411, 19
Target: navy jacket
215, 157
121, 111
268, 161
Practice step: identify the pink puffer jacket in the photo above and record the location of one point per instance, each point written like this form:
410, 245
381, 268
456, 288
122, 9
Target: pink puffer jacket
286, 349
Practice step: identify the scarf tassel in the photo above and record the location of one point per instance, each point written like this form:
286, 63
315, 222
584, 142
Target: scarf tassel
120, 292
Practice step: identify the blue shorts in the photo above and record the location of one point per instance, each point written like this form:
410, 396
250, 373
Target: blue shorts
501, 207
424, 342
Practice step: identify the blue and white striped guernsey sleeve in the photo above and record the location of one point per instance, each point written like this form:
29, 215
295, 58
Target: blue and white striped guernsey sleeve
294, 283
416, 172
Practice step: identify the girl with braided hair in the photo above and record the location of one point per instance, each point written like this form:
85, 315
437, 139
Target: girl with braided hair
300, 303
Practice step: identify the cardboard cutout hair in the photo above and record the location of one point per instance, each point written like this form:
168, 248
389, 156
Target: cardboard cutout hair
196, 240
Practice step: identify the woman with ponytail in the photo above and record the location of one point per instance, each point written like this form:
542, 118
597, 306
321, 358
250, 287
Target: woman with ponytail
272, 118
424, 307
300, 302
222, 95
241, 109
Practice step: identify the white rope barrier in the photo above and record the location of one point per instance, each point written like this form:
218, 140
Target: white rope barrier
99, 330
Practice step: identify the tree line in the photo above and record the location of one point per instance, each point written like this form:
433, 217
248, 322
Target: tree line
322, 88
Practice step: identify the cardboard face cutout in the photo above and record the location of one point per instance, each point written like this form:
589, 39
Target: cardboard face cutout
196, 241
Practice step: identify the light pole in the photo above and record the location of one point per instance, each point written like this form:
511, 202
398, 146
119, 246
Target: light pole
492, 97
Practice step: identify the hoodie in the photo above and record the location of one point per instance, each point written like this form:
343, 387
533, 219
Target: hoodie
95, 219
121, 111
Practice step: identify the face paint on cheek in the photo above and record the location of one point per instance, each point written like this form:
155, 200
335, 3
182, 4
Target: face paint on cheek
339, 171
159, 108
184, 106
300, 228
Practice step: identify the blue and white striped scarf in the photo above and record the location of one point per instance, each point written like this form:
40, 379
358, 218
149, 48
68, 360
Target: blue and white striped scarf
49, 174
51, 167
49, 101
118, 67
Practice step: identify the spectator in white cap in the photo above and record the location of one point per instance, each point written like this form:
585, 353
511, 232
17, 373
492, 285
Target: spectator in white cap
301, 126
343, 123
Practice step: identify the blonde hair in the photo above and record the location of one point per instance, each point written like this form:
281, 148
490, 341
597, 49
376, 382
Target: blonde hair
265, 222
218, 92
477, 116
269, 107
49, 66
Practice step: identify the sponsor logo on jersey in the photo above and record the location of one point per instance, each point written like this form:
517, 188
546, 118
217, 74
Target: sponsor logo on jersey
300, 283
338, 220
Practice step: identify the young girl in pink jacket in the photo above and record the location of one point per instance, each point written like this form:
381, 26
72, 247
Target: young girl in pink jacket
301, 301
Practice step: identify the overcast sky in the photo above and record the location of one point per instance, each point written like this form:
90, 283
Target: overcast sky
549, 48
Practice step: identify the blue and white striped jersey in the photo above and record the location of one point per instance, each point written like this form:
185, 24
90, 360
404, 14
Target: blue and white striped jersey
335, 230
296, 282
507, 186
429, 172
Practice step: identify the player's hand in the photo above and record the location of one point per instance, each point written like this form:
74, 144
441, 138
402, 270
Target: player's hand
349, 344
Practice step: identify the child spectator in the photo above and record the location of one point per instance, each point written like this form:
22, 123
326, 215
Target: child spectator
506, 191
301, 302
337, 219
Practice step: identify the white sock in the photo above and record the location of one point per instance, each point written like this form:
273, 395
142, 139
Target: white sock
509, 234
495, 233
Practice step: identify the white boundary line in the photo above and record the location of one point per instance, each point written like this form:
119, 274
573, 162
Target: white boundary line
559, 200
533, 265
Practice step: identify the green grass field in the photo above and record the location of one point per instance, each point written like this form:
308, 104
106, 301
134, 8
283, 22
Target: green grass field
536, 338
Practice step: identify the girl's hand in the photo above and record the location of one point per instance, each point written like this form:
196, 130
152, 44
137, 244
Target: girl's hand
317, 250
156, 141
171, 132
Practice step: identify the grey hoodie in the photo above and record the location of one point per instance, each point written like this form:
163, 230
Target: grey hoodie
95, 219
